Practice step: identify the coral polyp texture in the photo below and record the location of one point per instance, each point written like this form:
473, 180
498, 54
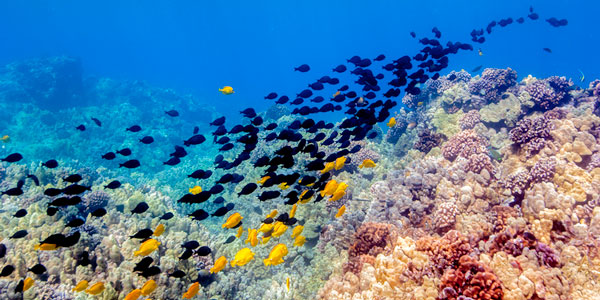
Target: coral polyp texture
484, 188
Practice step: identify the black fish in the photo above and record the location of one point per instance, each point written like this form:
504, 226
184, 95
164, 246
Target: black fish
134, 128
547, 50
200, 174
196, 130
217, 188
83, 259
51, 192
227, 241
130, 164
147, 140
140, 208
34, 178
109, 156
172, 113
226, 147
199, 215
74, 178
379, 57
225, 178
257, 121
282, 100
38, 269
97, 122
19, 234
248, 112
302, 68
221, 211
81, 127
283, 217
65, 201
2, 250
124, 151
218, 121
143, 234
15, 157
556, 22
76, 222
177, 274
13, 192
271, 96
204, 251
167, 216
20, 213
99, 212
75, 189
20, 286
413, 34
268, 220
115, 184
7, 270
340, 69
266, 195
51, 164
190, 245
305, 94
230, 206
223, 140
143, 264
248, 189
194, 140
152, 271
172, 161
51, 211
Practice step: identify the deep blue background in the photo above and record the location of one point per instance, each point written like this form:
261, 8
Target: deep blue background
199, 46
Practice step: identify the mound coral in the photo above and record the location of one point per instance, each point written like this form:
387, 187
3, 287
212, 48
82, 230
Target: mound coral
493, 83
531, 135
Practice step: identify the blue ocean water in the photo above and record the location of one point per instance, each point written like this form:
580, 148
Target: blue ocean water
142, 58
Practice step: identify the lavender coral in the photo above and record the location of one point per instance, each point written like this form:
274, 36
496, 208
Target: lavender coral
531, 135
550, 92
493, 83
469, 120
464, 144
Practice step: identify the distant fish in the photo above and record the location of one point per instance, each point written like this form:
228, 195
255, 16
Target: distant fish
302, 68
113, 185
109, 156
51, 164
124, 151
476, 69
20, 213
34, 179
134, 128
147, 140
196, 129
271, 96
97, 122
340, 69
226, 90
556, 22
413, 34
582, 77
167, 216
15, 157
140, 208
547, 50
172, 113
81, 127
130, 164
74, 178
217, 122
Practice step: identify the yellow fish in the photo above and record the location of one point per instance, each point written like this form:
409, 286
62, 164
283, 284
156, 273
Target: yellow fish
279, 229
232, 221
330, 188
45, 247
304, 199
341, 211
133, 295
367, 163
252, 237
276, 255
147, 247
240, 232
341, 187
264, 228
148, 287
265, 240
82, 285
28, 283
392, 122
192, 291
480, 52
195, 190
340, 191
272, 214
242, 257
328, 167
284, 186
287, 281
293, 211
420, 103
297, 231
226, 90
220, 264
263, 180
159, 230
336, 94
5, 139
340, 162
95, 289
299, 241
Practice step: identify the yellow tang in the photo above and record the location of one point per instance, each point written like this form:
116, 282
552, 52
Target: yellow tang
340, 162
276, 255
297, 231
232, 221
284, 186
240, 232
252, 237
328, 167
279, 229
330, 188
195, 190
287, 283
263, 180
367, 163
5, 139
95, 289
82, 285
192, 291
265, 240
392, 122
147, 247
293, 211
242, 257
264, 228
341, 211
299, 241
133, 295
45, 247
159, 230
220, 264
28, 283
148, 287
226, 90
272, 214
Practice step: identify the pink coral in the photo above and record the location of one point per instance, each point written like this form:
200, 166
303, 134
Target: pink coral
370, 239
471, 279
464, 144
469, 120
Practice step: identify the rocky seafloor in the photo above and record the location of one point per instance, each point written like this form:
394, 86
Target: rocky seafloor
486, 188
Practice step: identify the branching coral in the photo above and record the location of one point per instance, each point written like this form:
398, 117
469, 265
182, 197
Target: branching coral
464, 144
493, 83
549, 92
472, 279
531, 135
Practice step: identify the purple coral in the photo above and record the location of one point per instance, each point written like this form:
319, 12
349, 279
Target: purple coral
464, 144
493, 83
543, 170
479, 162
547, 255
549, 92
531, 134
428, 139
469, 120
